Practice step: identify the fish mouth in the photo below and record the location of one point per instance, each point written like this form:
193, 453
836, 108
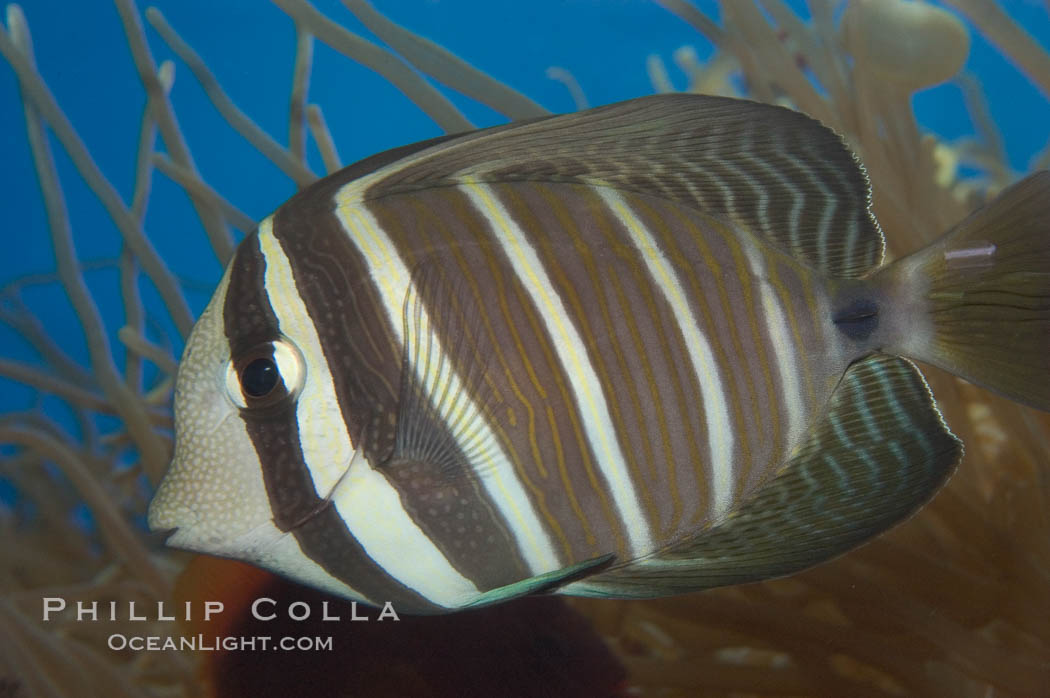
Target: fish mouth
166, 533
172, 525
187, 537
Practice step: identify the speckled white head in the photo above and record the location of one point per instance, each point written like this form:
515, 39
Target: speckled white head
213, 493
213, 497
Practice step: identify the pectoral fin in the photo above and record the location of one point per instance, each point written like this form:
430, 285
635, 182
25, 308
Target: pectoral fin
446, 461
447, 402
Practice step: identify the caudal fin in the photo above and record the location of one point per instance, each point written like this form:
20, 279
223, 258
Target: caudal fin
985, 291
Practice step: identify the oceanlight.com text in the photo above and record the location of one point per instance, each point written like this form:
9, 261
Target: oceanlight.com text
228, 643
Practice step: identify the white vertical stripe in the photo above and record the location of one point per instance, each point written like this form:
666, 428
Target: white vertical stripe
496, 472
441, 384
325, 442
279, 551
716, 410
782, 343
367, 503
268, 547
597, 422
232, 492
372, 510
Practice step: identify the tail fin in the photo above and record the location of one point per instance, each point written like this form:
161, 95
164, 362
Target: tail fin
986, 286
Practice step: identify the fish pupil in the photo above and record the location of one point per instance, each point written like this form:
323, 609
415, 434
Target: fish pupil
259, 377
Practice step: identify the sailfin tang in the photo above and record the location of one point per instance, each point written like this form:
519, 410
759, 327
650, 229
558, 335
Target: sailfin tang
878, 455
986, 286
777, 173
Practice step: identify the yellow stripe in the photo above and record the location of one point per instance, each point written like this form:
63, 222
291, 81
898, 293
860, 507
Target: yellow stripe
643, 284
392, 279
534, 381
744, 463
554, 370
536, 492
744, 275
323, 437
716, 412
786, 354
568, 227
597, 422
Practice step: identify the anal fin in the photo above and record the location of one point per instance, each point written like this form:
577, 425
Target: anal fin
875, 458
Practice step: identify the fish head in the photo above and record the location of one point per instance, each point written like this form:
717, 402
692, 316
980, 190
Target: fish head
241, 381
261, 442
213, 496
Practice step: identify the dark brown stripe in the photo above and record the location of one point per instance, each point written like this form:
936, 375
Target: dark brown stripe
875, 456
561, 222
742, 301
540, 425
675, 408
797, 289
434, 477
359, 344
322, 535
500, 379
714, 286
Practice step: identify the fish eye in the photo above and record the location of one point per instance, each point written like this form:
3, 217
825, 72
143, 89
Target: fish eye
265, 375
260, 377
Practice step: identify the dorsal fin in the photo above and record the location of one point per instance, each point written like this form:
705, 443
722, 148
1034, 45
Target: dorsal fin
876, 457
775, 172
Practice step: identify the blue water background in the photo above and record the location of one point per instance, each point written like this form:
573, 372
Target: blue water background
250, 44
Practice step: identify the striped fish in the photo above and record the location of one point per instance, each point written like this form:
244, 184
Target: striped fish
638, 350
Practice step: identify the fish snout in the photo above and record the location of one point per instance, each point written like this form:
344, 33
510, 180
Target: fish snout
166, 514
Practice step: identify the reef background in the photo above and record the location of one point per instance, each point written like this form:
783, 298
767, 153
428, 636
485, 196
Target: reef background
954, 602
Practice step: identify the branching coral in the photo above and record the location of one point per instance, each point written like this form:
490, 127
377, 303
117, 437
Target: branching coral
954, 602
